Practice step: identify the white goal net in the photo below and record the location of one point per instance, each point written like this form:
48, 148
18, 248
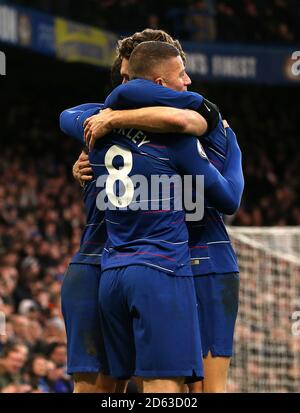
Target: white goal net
267, 336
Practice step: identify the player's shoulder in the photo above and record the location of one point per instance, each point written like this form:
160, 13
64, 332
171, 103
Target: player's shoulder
183, 140
187, 153
150, 85
137, 83
182, 144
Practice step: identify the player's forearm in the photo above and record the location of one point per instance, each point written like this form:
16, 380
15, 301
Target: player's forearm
233, 172
193, 123
224, 195
160, 120
141, 93
222, 192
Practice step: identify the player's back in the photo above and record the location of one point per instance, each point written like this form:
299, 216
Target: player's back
94, 233
210, 245
144, 229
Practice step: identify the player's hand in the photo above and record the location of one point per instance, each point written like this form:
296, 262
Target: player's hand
225, 124
82, 170
97, 126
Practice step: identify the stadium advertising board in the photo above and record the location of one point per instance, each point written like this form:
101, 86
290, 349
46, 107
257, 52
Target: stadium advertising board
80, 43
27, 28
256, 64
76, 42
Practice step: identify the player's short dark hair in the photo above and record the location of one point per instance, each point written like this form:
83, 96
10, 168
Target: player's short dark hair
127, 45
148, 55
115, 75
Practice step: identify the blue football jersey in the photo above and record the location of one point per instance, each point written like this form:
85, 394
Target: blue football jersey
211, 248
208, 253
94, 234
157, 236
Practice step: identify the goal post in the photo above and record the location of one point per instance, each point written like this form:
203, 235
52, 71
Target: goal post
267, 336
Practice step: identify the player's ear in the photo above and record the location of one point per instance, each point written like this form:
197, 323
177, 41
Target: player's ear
159, 81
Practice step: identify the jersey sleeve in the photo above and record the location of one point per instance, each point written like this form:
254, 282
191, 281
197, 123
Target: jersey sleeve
217, 141
223, 192
71, 120
144, 93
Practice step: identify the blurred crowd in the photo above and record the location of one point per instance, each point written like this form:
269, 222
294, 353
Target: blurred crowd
267, 347
40, 226
195, 20
267, 132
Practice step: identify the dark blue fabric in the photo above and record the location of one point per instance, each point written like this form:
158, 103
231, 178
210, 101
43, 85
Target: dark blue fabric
80, 309
150, 323
218, 298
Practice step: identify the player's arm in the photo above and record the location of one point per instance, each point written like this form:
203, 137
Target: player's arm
144, 93
71, 120
153, 119
71, 123
198, 117
223, 192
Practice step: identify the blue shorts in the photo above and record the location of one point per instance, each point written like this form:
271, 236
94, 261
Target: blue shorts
150, 323
80, 308
218, 297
